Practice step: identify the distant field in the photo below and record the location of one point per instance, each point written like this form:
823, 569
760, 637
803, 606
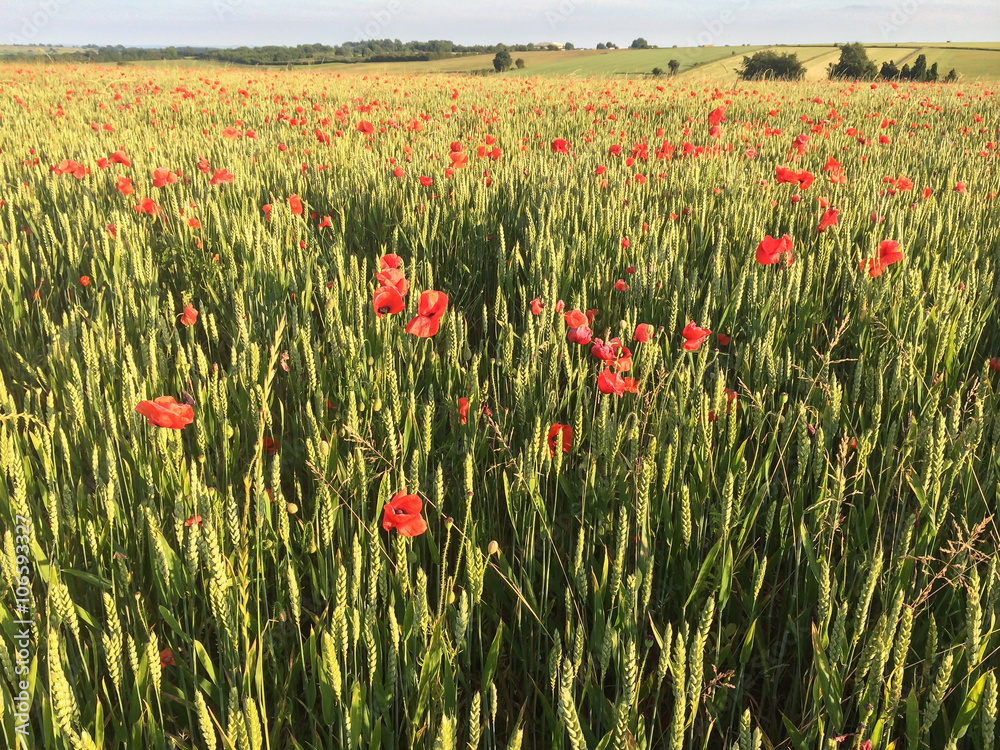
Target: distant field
972, 60
12, 49
980, 61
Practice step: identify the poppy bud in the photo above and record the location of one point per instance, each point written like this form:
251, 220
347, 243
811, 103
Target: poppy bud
493, 548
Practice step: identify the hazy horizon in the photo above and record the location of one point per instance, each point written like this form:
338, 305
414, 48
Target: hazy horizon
585, 23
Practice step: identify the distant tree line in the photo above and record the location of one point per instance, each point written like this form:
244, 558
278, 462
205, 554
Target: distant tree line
854, 64
372, 50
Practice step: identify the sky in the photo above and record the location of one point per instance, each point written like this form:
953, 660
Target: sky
229, 23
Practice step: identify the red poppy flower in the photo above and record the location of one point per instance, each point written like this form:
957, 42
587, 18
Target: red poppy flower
643, 333
995, 364
621, 286
536, 306
194, 223
162, 176
125, 186
960, 188
580, 335
784, 174
365, 127
295, 203
403, 514
389, 260
325, 222
269, 444
398, 172
611, 382
829, 219
194, 521
164, 411
221, 176
463, 409
631, 385
84, 281
394, 278
716, 116
426, 181
561, 146
430, 310
118, 157
575, 319
112, 229
604, 352
724, 339
68, 166
888, 253
190, 316
388, 301
167, 657
623, 359
770, 250
566, 440
147, 206
694, 336
730, 399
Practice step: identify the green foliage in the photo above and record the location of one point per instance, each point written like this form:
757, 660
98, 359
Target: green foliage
502, 61
768, 64
674, 66
639, 43
854, 64
519, 63
777, 540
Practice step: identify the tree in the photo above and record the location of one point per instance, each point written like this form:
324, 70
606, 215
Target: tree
932, 74
674, 66
611, 45
600, 45
767, 64
568, 45
854, 63
519, 63
952, 76
639, 43
889, 71
502, 61
657, 72
919, 70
